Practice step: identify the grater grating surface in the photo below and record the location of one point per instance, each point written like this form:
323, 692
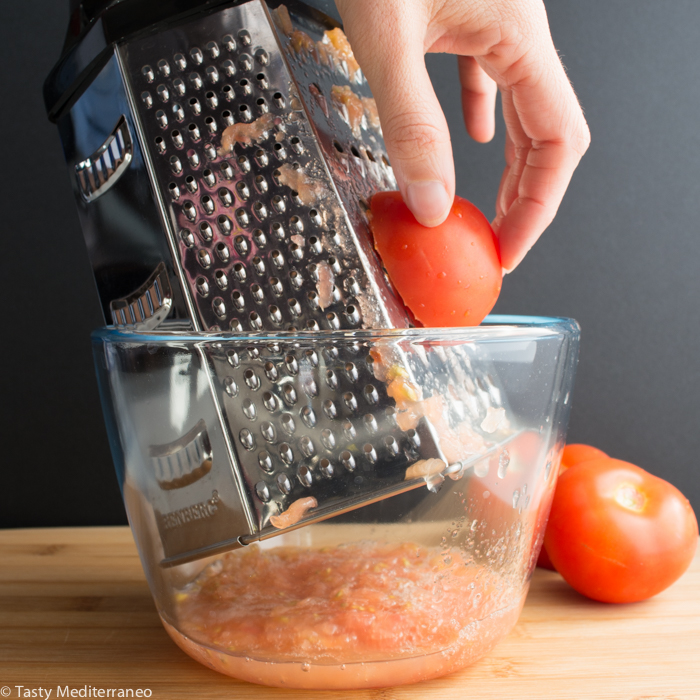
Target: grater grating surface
262, 146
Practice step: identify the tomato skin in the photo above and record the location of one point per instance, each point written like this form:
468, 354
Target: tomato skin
577, 453
573, 454
618, 534
449, 275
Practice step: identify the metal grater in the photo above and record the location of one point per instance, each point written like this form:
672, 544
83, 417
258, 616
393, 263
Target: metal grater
267, 235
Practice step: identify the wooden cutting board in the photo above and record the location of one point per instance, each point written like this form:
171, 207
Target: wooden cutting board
75, 610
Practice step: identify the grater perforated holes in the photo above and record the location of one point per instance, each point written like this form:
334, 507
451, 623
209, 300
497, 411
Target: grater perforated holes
187, 237
277, 259
268, 432
174, 191
369, 453
162, 118
227, 117
230, 386
261, 184
227, 92
212, 74
180, 61
236, 325
347, 460
191, 183
257, 293
350, 401
262, 492
229, 68
255, 321
276, 286
286, 452
315, 247
163, 93
326, 468
160, 144
209, 177
296, 145
280, 151
332, 321
283, 483
349, 430
249, 410
194, 132
219, 307
370, 422
310, 388
202, 287
213, 50
265, 461
275, 314
195, 80
211, 99
221, 279
278, 231
207, 204
392, 447
196, 55
279, 100
413, 439
148, 74
175, 165
330, 409
305, 476
270, 401
262, 108
211, 125
279, 204
308, 416
206, 232
147, 99
328, 439
312, 325
253, 353
204, 259
196, 107
189, 210
243, 164
289, 395
331, 353
242, 217
291, 364
262, 57
245, 62
334, 265
261, 158
244, 37
307, 447
351, 371
225, 195
229, 43
352, 313
294, 307
247, 439
193, 158
315, 217
238, 300
246, 89
242, 245
223, 252
331, 379
251, 379
242, 190
261, 79
239, 272
371, 395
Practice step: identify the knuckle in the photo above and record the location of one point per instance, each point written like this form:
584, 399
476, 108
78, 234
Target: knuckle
411, 135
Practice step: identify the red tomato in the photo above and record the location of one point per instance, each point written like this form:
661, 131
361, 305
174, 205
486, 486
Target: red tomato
617, 533
449, 275
577, 453
571, 455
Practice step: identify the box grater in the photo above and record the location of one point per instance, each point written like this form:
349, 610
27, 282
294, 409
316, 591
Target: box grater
222, 161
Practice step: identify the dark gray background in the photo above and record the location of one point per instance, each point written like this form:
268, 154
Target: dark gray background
621, 257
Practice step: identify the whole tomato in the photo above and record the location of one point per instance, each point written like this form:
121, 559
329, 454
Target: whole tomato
449, 275
617, 533
573, 454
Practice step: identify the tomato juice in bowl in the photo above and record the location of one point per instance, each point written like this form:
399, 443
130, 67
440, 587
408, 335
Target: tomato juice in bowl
406, 588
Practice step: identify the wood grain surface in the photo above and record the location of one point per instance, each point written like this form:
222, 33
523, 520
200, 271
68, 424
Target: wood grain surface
75, 610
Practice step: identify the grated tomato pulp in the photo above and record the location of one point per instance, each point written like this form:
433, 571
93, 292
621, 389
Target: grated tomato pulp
356, 615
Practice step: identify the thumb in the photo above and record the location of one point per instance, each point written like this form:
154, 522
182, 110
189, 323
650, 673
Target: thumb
388, 39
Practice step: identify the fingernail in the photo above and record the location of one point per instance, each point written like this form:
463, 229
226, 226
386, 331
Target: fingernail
429, 201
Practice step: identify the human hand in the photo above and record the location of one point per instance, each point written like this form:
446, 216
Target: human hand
501, 45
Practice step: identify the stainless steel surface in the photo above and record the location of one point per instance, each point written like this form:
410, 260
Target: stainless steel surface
255, 150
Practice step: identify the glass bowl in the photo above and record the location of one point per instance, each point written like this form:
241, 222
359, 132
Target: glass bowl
414, 557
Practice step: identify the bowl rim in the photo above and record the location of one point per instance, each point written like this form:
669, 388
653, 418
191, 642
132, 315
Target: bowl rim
498, 327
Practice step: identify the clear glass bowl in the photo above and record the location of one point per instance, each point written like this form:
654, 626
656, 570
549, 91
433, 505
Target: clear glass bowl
412, 586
